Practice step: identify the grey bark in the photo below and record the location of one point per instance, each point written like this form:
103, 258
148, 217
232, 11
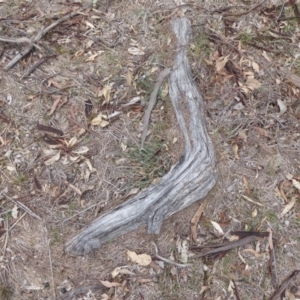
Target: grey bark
189, 180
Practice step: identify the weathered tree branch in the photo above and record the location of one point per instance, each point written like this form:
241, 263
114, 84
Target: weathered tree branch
189, 180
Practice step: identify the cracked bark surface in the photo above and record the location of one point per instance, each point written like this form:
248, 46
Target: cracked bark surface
189, 180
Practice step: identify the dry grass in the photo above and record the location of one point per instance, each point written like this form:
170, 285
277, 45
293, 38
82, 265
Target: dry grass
33, 263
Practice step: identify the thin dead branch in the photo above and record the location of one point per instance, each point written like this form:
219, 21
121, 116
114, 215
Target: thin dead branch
245, 12
284, 285
228, 246
168, 260
34, 66
32, 42
24, 207
162, 75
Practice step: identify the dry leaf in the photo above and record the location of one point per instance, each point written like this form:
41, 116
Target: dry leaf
236, 151
264, 54
74, 188
249, 74
109, 284
221, 62
53, 159
54, 83
71, 142
296, 184
254, 213
246, 184
74, 158
92, 57
144, 280
165, 90
256, 254
282, 107
11, 168
203, 288
244, 89
252, 201
217, 227
78, 53
89, 44
123, 146
99, 121
134, 191
196, 218
129, 78
174, 271
121, 270
136, 51
255, 66
89, 24
14, 212
270, 238
53, 107
106, 92
252, 83
262, 132
141, 259
288, 207
59, 101
243, 135
183, 248
91, 169
81, 150
154, 69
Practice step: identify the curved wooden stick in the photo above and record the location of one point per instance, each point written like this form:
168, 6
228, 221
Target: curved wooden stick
189, 180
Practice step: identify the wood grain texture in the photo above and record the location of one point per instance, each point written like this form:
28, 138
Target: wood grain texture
189, 180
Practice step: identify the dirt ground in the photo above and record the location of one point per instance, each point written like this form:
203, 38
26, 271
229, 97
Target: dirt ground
71, 117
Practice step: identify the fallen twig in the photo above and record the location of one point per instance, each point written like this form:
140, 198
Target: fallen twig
263, 48
245, 12
34, 66
169, 261
284, 285
162, 75
24, 207
81, 212
9, 229
43, 31
25, 51
252, 201
228, 246
51, 268
16, 41
236, 292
